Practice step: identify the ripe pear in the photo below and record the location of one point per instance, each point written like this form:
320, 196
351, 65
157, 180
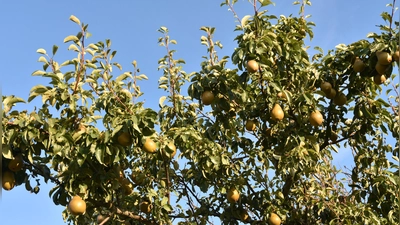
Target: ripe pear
277, 112
145, 207
281, 95
274, 219
77, 206
150, 146
8, 180
233, 195
358, 65
252, 66
384, 58
379, 79
316, 118
395, 56
250, 125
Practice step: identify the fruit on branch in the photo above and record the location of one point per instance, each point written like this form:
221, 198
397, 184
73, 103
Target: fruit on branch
8, 180
380, 68
326, 87
277, 112
274, 219
233, 195
340, 99
77, 206
395, 56
145, 207
281, 95
138, 178
16, 163
316, 119
384, 58
358, 65
100, 218
252, 66
379, 79
207, 97
127, 186
250, 125
149, 146
125, 139
331, 94
244, 215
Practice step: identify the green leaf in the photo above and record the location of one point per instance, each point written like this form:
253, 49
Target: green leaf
55, 48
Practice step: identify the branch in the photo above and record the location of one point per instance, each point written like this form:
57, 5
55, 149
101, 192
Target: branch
131, 215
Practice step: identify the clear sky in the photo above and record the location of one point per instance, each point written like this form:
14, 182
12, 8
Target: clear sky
132, 27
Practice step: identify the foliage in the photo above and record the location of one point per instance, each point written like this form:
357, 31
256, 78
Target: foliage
284, 166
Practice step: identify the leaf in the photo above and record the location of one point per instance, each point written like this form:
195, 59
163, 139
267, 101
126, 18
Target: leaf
55, 48
42, 59
71, 38
266, 2
75, 19
10, 101
41, 51
244, 20
161, 101
73, 47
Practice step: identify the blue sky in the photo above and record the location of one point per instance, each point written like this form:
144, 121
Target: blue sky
132, 27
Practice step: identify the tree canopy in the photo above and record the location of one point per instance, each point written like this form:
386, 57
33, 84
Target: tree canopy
249, 144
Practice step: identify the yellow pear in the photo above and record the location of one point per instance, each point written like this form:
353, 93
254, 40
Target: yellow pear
274, 219
379, 79
316, 118
233, 195
8, 180
250, 125
252, 66
395, 56
277, 112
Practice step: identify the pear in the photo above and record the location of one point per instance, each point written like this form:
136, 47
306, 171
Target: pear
358, 65
384, 58
326, 87
395, 56
277, 112
380, 68
379, 79
316, 118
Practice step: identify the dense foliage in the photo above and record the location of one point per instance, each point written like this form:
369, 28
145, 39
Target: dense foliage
254, 143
